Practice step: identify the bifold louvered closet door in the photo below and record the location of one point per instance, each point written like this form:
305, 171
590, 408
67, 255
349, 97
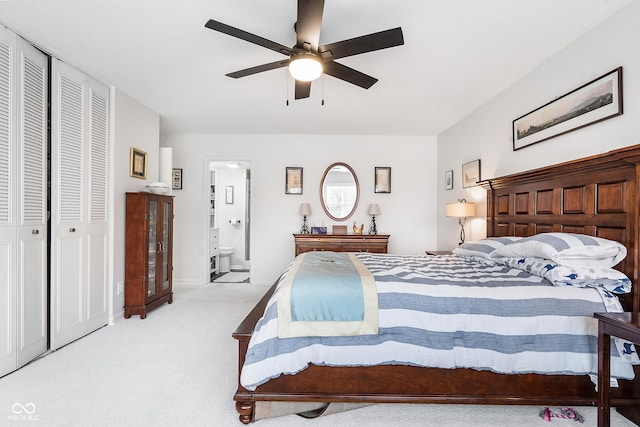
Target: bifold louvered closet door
23, 202
79, 241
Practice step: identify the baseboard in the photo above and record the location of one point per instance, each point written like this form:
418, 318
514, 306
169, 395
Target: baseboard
183, 282
115, 317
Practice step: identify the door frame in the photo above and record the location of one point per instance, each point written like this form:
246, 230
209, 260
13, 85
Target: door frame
206, 189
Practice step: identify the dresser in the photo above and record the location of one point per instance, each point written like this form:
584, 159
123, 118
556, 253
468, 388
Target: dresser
376, 243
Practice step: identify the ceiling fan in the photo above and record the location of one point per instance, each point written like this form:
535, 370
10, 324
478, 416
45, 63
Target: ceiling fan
307, 56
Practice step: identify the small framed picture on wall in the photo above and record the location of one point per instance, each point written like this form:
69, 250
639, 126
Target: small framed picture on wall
138, 163
448, 180
176, 179
382, 180
293, 180
471, 173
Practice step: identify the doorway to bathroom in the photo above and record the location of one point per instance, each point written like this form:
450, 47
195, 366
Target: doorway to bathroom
229, 222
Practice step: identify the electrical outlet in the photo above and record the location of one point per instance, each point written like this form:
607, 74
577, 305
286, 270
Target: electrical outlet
120, 288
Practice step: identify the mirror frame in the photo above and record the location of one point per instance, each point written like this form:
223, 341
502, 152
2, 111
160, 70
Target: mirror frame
355, 204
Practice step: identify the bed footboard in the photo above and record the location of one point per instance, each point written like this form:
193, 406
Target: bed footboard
244, 403
410, 384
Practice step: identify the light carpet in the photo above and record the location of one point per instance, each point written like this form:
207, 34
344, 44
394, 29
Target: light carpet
233, 277
178, 367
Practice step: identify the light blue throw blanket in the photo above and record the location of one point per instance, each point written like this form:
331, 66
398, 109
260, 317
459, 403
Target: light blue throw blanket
327, 294
326, 287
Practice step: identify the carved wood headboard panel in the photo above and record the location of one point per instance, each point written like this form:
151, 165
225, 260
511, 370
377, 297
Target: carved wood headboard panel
597, 195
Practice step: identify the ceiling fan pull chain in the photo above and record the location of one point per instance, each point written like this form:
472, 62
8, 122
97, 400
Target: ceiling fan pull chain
286, 83
322, 103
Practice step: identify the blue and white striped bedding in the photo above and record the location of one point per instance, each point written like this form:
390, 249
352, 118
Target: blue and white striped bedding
451, 312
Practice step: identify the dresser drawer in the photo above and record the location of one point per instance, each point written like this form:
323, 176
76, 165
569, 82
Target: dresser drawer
374, 247
376, 243
322, 246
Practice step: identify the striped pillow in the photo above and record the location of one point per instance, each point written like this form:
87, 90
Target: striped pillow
483, 248
572, 250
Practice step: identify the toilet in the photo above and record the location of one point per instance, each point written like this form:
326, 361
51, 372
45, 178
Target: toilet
225, 258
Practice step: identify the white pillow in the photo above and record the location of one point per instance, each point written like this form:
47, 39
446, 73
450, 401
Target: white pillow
483, 248
572, 250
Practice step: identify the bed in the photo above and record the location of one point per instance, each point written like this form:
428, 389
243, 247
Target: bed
595, 196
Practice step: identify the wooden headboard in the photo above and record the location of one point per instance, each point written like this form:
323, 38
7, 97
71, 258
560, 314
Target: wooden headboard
596, 195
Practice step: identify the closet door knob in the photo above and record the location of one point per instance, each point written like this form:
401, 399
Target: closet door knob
72, 230
35, 231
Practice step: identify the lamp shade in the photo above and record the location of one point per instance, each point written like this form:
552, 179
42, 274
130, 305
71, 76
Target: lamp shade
305, 209
460, 209
374, 209
305, 67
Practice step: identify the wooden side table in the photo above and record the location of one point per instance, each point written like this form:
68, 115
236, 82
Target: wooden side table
622, 325
428, 252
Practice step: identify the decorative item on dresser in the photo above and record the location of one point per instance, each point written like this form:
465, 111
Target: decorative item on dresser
341, 243
356, 229
148, 252
305, 211
339, 229
373, 210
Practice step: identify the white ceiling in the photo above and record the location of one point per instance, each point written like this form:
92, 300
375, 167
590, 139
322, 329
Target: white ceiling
458, 54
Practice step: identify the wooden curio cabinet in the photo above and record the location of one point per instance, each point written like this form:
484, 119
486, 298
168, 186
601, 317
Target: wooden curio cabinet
148, 253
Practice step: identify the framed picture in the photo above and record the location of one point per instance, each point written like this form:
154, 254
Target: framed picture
228, 194
293, 181
318, 230
598, 100
470, 174
176, 179
382, 180
448, 180
137, 163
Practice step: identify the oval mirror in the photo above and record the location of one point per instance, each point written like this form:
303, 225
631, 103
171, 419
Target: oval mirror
339, 191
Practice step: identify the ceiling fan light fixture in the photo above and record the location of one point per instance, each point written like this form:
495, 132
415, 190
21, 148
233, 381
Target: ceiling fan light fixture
305, 68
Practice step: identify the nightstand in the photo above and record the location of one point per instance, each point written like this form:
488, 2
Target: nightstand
438, 252
622, 325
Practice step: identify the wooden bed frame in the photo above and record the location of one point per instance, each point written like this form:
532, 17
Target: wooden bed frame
598, 195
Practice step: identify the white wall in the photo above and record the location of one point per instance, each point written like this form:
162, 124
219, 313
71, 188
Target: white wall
134, 126
486, 134
408, 213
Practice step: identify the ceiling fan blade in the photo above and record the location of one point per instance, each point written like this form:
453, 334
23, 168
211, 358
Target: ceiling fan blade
350, 75
303, 89
309, 24
362, 44
251, 38
259, 69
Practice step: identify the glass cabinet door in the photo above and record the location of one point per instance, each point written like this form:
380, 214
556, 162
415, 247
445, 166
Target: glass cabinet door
166, 244
153, 245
